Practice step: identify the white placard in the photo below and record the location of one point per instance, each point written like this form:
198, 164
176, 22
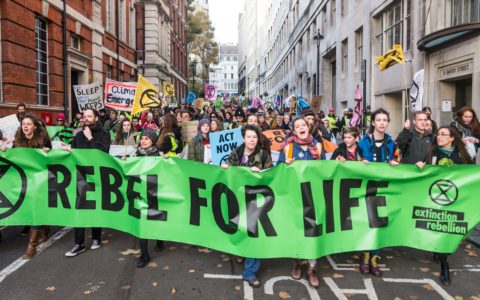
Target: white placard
446, 105
88, 96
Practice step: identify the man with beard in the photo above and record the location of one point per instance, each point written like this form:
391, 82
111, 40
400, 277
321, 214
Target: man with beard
21, 111
93, 136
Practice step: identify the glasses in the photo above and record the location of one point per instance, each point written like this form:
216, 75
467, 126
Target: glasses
443, 134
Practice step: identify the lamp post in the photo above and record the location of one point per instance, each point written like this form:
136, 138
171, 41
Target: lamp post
193, 66
318, 37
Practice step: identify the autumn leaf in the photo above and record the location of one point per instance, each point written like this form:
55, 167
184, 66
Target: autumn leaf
191, 271
226, 259
87, 292
219, 265
458, 298
154, 284
397, 298
475, 297
356, 257
173, 290
204, 250
166, 268
424, 269
105, 242
390, 257
126, 287
152, 264
237, 288
51, 288
130, 251
284, 295
436, 273
471, 253
121, 259
427, 287
337, 275
172, 248
413, 297
348, 261
423, 261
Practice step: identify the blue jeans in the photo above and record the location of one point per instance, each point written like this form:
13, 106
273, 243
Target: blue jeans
250, 268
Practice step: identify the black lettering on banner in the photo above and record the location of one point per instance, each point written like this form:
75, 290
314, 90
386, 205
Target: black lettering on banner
232, 207
133, 195
196, 200
83, 186
152, 198
373, 202
346, 202
58, 189
310, 226
329, 214
255, 213
111, 187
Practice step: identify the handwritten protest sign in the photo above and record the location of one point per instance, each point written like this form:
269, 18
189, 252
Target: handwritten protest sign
120, 95
88, 96
189, 130
9, 126
222, 144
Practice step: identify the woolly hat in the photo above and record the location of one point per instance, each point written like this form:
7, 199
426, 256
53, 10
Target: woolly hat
201, 123
151, 134
239, 112
307, 112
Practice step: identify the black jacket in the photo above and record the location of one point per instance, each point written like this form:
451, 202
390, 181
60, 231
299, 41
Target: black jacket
100, 140
342, 151
414, 145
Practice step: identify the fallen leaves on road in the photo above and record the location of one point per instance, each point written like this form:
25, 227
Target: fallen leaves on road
424, 269
172, 248
413, 297
475, 297
191, 271
51, 288
173, 290
126, 287
336, 275
226, 259
87, 292
427, 287
436, 273
424, 261
219, 265
166, 268
458, 298
152, 264
390, 257
105, 242
397, 298
204, 250
348, 261
154, 284
471, 253
130, 252
238, 288
284, 295
356, 257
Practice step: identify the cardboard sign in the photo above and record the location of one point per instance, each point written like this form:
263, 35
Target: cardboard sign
316, 103
9, 126
293, 105
189, 130
198, 103
88, 96
207, 154
120, 95
276, 137
222, 143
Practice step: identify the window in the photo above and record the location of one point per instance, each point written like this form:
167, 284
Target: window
231, 76
324, 20
344, 8
132, 29
109, 72
75, 42
121, 20
461, 12
344, 57
393, 27
41, 71
358, 48
333, 11
110, 25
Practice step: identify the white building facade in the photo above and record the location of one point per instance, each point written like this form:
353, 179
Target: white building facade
225, 74
285, 61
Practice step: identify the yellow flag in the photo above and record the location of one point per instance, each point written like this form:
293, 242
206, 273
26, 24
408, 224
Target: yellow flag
168, 89
392, 57
146, 96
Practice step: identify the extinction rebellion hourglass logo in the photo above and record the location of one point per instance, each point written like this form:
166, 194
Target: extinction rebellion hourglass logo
443, 193
13, 180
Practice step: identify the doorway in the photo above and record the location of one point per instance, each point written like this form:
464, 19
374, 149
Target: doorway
463, 93
74, 80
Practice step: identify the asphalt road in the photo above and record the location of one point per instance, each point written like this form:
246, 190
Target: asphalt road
188, 272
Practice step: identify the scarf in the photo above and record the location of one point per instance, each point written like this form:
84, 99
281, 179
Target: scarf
447, 151
147, 151
308, 141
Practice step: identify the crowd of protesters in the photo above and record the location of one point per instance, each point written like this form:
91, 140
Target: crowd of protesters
158, 133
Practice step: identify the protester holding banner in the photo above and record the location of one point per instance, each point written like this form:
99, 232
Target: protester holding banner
348, 150
377, 146
170, 141
216, 125
302, 146
196, 147
250, 154
32, 134
466, 122
93, 136
448, 149
147, 147
125, 135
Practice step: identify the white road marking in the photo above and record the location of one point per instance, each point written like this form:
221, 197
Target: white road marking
17, 264
222, 276
269, 286
349, 267
341, 293
430, 282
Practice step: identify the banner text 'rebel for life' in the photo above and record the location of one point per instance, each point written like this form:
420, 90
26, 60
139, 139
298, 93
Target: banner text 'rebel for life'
306, 210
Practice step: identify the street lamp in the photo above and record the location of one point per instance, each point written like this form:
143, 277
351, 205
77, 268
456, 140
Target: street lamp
318, 37
193, 65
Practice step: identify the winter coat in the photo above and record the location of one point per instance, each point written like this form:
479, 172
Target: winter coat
299, 154
414, 145
261, 159
196, 148
367, 147
342, 151
100, 140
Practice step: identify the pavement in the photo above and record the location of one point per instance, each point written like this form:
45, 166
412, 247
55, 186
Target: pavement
183, 271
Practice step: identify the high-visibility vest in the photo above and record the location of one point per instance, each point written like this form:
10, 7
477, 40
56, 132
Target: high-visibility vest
345, 125
288, 150
172, 151
333, 122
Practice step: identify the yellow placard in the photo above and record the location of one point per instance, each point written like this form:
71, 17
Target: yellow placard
146, 96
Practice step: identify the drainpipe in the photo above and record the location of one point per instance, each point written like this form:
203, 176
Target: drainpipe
117, 24
65, 77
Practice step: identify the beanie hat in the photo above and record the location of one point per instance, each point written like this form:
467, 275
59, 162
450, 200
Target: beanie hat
201, 123
151, 134
307, 112
239, 112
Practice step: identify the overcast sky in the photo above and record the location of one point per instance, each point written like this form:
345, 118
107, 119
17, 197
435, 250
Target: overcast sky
224, 16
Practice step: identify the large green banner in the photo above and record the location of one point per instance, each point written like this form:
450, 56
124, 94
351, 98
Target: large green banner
306, 210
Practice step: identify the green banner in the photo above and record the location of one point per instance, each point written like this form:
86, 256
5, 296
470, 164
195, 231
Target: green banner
306, 210
60, 133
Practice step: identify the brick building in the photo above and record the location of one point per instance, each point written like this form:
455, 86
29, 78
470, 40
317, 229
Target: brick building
178, 48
